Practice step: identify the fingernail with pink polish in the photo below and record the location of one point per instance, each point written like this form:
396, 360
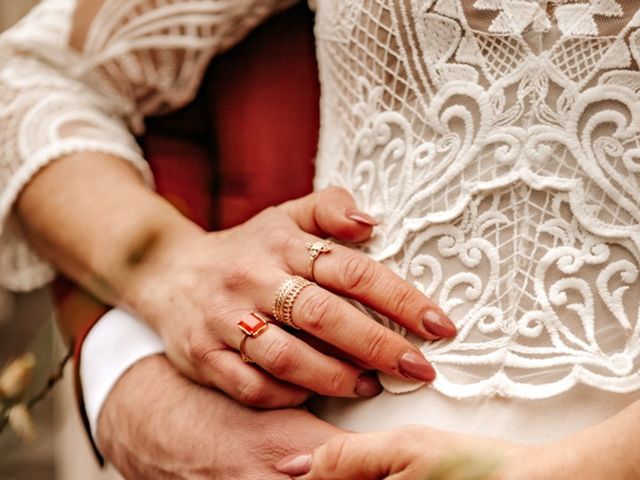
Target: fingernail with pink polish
437, 324
361, 217
367, 386
414, 365
295, 465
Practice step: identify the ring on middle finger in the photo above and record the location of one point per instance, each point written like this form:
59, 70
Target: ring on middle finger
286, 297
316, 249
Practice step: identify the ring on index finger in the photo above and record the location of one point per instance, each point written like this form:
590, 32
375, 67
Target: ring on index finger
316, 249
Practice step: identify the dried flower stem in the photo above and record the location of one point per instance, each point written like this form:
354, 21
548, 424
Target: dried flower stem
54, 378
4, 416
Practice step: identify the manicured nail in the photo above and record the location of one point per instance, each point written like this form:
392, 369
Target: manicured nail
367, 386
361, 217
437, 324
414, 365
295, 465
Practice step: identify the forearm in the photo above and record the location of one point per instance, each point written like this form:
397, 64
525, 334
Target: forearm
609, 450
92, 216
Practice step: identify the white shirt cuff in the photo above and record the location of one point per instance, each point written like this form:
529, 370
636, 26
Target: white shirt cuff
113, 345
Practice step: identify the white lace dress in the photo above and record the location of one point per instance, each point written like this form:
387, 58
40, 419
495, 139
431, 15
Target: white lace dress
498, 140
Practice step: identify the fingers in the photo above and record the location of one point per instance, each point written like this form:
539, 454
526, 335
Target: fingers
353, 274
340, 324
290, 359
346, 457
248, 385
331, 213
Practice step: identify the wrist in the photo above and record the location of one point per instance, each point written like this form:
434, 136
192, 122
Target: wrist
127, 397
116, 343
144, 248
569, 459
534, 462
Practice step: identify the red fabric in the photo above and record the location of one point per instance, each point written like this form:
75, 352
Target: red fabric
249, 139
264, 109
183, 172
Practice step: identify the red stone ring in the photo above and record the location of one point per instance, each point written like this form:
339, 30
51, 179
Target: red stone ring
252, 325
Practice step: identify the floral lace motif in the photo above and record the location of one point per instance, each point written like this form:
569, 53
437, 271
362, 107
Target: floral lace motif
139, 57
499, 140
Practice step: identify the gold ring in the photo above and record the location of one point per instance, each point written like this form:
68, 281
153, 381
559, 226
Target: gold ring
286, 297
316, 249
252, 325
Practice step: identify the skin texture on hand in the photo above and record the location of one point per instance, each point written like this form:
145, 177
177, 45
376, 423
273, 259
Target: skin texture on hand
157, 425
130, 248
194, 293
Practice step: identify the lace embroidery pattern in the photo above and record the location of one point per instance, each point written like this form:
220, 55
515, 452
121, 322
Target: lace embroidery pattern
140, 57
499, 142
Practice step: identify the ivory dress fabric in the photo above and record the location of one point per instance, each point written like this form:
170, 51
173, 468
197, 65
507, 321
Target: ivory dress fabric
497, 140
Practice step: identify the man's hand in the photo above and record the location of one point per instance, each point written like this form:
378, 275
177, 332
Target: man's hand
158, 425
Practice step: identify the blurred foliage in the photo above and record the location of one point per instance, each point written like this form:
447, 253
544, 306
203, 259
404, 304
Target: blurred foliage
31, 329
466, 466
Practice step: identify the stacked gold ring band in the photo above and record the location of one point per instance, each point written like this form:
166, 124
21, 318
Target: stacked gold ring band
286, 297
316, 249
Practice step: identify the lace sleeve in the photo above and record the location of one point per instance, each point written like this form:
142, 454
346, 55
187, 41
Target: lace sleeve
81, 76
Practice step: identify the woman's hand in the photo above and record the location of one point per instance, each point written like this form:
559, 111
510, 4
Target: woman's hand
421, 453
195, 291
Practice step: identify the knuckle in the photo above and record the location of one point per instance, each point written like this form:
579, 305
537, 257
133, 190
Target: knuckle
237, 276
335, 453
401, 297
202, 354
288, 242
358, 273
315, 308
283, 358
336, 383
253, 393
282, 240
298, 398
376, 347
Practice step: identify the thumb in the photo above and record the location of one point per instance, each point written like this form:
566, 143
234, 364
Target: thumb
331, 213
352, 456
